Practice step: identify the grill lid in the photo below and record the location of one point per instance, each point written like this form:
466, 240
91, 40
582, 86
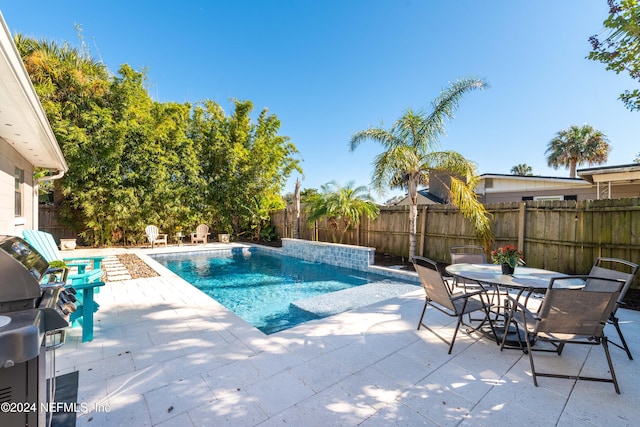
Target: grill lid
21, 269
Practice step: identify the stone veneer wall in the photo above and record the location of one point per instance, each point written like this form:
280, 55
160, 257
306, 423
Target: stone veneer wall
356, 257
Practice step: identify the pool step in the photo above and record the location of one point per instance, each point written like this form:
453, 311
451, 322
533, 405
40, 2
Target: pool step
348, 299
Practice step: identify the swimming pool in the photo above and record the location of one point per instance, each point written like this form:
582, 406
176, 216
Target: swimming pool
260, 287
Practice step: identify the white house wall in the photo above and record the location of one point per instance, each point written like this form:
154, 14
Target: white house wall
524, 185
9, 161
497, 189
516, 196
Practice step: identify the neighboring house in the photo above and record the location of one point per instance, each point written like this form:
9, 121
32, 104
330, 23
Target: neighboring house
26, 142
608, 182
497, 188
613, 182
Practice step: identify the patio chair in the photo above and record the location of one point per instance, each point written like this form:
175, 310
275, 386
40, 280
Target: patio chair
439, 296
467, 254
618, 269
201, 234
567, 316
86, 279
154, 236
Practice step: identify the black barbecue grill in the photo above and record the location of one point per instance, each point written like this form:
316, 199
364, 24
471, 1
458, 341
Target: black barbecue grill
34, 305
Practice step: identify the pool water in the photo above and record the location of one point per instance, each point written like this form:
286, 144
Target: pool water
259, 287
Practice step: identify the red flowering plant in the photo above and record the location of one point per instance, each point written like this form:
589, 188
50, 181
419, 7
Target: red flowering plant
507, 255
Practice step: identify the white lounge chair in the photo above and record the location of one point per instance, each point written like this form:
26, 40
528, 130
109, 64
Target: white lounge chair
201, 234
154, 236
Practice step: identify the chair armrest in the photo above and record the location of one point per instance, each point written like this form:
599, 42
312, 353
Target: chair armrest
468, 294
527, 315
91, 258
81, 286
92, 276
96, 260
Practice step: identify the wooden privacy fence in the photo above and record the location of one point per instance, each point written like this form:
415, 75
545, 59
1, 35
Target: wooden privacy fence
49, 221
564, 236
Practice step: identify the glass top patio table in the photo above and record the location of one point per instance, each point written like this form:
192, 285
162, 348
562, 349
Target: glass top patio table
523, 278
524, 282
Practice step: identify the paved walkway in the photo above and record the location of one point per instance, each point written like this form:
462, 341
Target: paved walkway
114, 269
165, 354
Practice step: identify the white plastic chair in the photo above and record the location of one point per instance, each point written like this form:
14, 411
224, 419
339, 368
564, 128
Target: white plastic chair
201, 234
154, 236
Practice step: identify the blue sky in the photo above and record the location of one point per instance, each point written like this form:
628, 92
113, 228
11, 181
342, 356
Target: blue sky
330, 68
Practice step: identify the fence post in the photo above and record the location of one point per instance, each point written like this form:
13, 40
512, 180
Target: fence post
423, 227
521, 228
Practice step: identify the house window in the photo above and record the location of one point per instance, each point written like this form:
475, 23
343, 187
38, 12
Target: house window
19, 181
544, 198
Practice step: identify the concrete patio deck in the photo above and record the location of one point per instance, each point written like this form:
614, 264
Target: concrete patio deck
165, 354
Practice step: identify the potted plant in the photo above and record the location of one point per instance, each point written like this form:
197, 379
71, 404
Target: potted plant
508, 256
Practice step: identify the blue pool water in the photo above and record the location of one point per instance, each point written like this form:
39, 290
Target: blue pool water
259, 287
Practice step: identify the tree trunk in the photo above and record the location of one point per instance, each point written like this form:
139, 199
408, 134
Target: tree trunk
572, 170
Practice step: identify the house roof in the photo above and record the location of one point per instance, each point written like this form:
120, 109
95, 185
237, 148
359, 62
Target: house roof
616, 173
23, 122
431, 196
531, 177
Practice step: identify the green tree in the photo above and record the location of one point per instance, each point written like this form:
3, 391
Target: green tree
241, 159
133, 161
522, 169
260, 215
411, 152
576, 146
342, 206
620, 48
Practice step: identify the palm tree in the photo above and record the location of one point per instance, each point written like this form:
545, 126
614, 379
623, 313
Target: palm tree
411, 151
342, 206
522, 169
577, 145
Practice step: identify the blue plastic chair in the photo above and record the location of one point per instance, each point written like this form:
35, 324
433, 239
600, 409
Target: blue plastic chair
85, 280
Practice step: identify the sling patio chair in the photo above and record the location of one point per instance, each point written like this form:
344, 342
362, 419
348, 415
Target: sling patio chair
467, 254
473, 254
440, 297
201, 234
154, 236
567, 316
613, 268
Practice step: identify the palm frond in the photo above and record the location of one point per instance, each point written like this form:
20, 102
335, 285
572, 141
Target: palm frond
447, 103
467, 201
384, 137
